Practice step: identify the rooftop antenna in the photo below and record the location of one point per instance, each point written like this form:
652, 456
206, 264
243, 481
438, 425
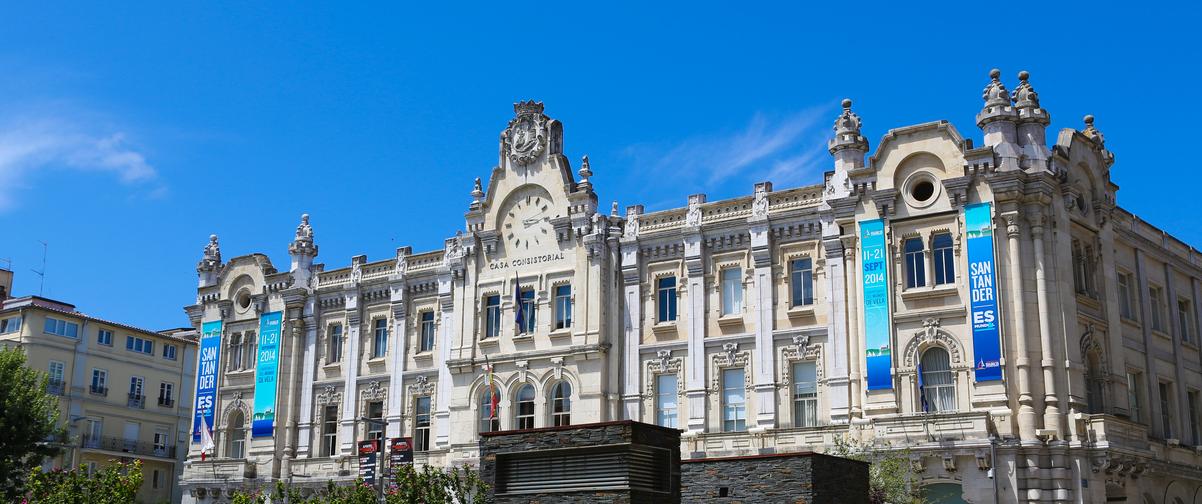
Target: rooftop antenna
42, 274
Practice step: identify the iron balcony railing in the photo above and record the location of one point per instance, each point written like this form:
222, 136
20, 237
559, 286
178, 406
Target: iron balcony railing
166, 402
135, 447
99, 390
56, 387
136, 400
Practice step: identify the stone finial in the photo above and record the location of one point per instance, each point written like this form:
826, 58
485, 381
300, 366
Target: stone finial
613, 209
995, 94
477, 191
847, 131
586, 171
1092, 133
303, 243
210, 261
1026, 100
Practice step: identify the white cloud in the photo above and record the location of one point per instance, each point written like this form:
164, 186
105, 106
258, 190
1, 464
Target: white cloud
28, 146
785, 151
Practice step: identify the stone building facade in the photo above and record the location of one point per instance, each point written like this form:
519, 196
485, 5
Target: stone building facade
1063, 355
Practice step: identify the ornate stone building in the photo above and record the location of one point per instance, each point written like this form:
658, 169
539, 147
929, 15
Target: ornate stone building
988, 307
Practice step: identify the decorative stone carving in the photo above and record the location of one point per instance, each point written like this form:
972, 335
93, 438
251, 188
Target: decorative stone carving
759, 208
402, 261
613, 209
357, 269
995, 94
847, 131
693, 217
585, 172
632, 221
730, 357
421, 386
800, 351
664, 363
304, 232
932, 333
477, 192
375, 391
1092, 133
453, 250
526, 136
212, 256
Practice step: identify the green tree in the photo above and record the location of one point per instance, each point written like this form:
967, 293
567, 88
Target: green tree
890, 479
28, 422
117, 483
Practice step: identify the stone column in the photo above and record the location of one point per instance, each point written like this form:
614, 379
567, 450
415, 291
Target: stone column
836, 356
1051, 415
763, 366
305, 420
350, 389
695, 392
855, 354
295, 327
1145, 316
1026, 410
396, 385
442, 406
632, 332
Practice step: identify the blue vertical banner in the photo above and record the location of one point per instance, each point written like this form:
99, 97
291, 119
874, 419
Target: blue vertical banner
982, 291
266, 368
874, 266
206, 377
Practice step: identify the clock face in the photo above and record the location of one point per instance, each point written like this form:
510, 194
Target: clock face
526, 224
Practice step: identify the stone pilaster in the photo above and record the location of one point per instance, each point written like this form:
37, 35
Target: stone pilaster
1027, 421
351, 361
631, 331
764, 369
1051, 415
442, 402
695, 388
396, 385
305, 420
837, 340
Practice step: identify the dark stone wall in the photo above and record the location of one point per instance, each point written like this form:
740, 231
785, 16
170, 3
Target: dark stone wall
808, 478
555, 438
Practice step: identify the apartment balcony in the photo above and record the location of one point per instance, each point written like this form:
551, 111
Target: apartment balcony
56, 387
1114, 432
166, 402
136, 401
98, 390
122, 445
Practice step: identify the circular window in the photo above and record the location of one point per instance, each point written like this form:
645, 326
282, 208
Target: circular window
922, 190
243, 300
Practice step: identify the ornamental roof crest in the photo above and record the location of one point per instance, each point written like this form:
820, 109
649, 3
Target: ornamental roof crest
526, 136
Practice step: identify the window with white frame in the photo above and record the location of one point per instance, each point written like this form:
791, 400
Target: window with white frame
1156, 302
61, 327
235, 435
492, 316
801, 282
938, 380
329, 431
139, 345
561, 404
916, 273
55, 377
426, 328
92, 432
944, 257
734, 400
528, 318
1166, 409
234, 361
160, 443
665, 400
665, 290
563, 306
524, 414
166, 394
169, 351
421, 424
732, 291
1126, 287
490, 418
100, 381
375, 423
10, 325
379, 345
104, 337
805, 394
250, 350
1134, 392
1185, 317
334, 343
137, 391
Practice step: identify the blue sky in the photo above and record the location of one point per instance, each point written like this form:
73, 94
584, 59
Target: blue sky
130, 132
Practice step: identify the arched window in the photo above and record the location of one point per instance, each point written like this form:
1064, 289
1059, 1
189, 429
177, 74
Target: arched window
490, 418
936, 380
235, 433
561, 404
1095, 383
524, 418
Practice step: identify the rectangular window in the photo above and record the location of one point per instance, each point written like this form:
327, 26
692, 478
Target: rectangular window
61, 327
137, 395
329, 431
734, 401
100, 382
334, 344
375, 413
916, 274
801, 281
1185, 317
666, 299
91, 436
1079, 267
160, 445
421, 425
1193, 417
665, 400
426, 343
944, 258
1126, 286
492, 316
1156, 300
104, 337
55, 383
732, 291
563, 306
251, 349
526, 324
10, 325
1166, 410
235, 358
169, 352
380, 339
805, 394
166, 396
139, 345
156, 480
1133, 392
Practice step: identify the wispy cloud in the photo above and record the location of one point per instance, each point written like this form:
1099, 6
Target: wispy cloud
31, 145
784, 150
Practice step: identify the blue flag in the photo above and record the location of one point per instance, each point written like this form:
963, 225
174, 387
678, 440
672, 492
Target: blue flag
518, 312
922, 392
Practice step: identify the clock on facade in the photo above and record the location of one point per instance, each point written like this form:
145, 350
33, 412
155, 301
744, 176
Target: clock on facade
526, 222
